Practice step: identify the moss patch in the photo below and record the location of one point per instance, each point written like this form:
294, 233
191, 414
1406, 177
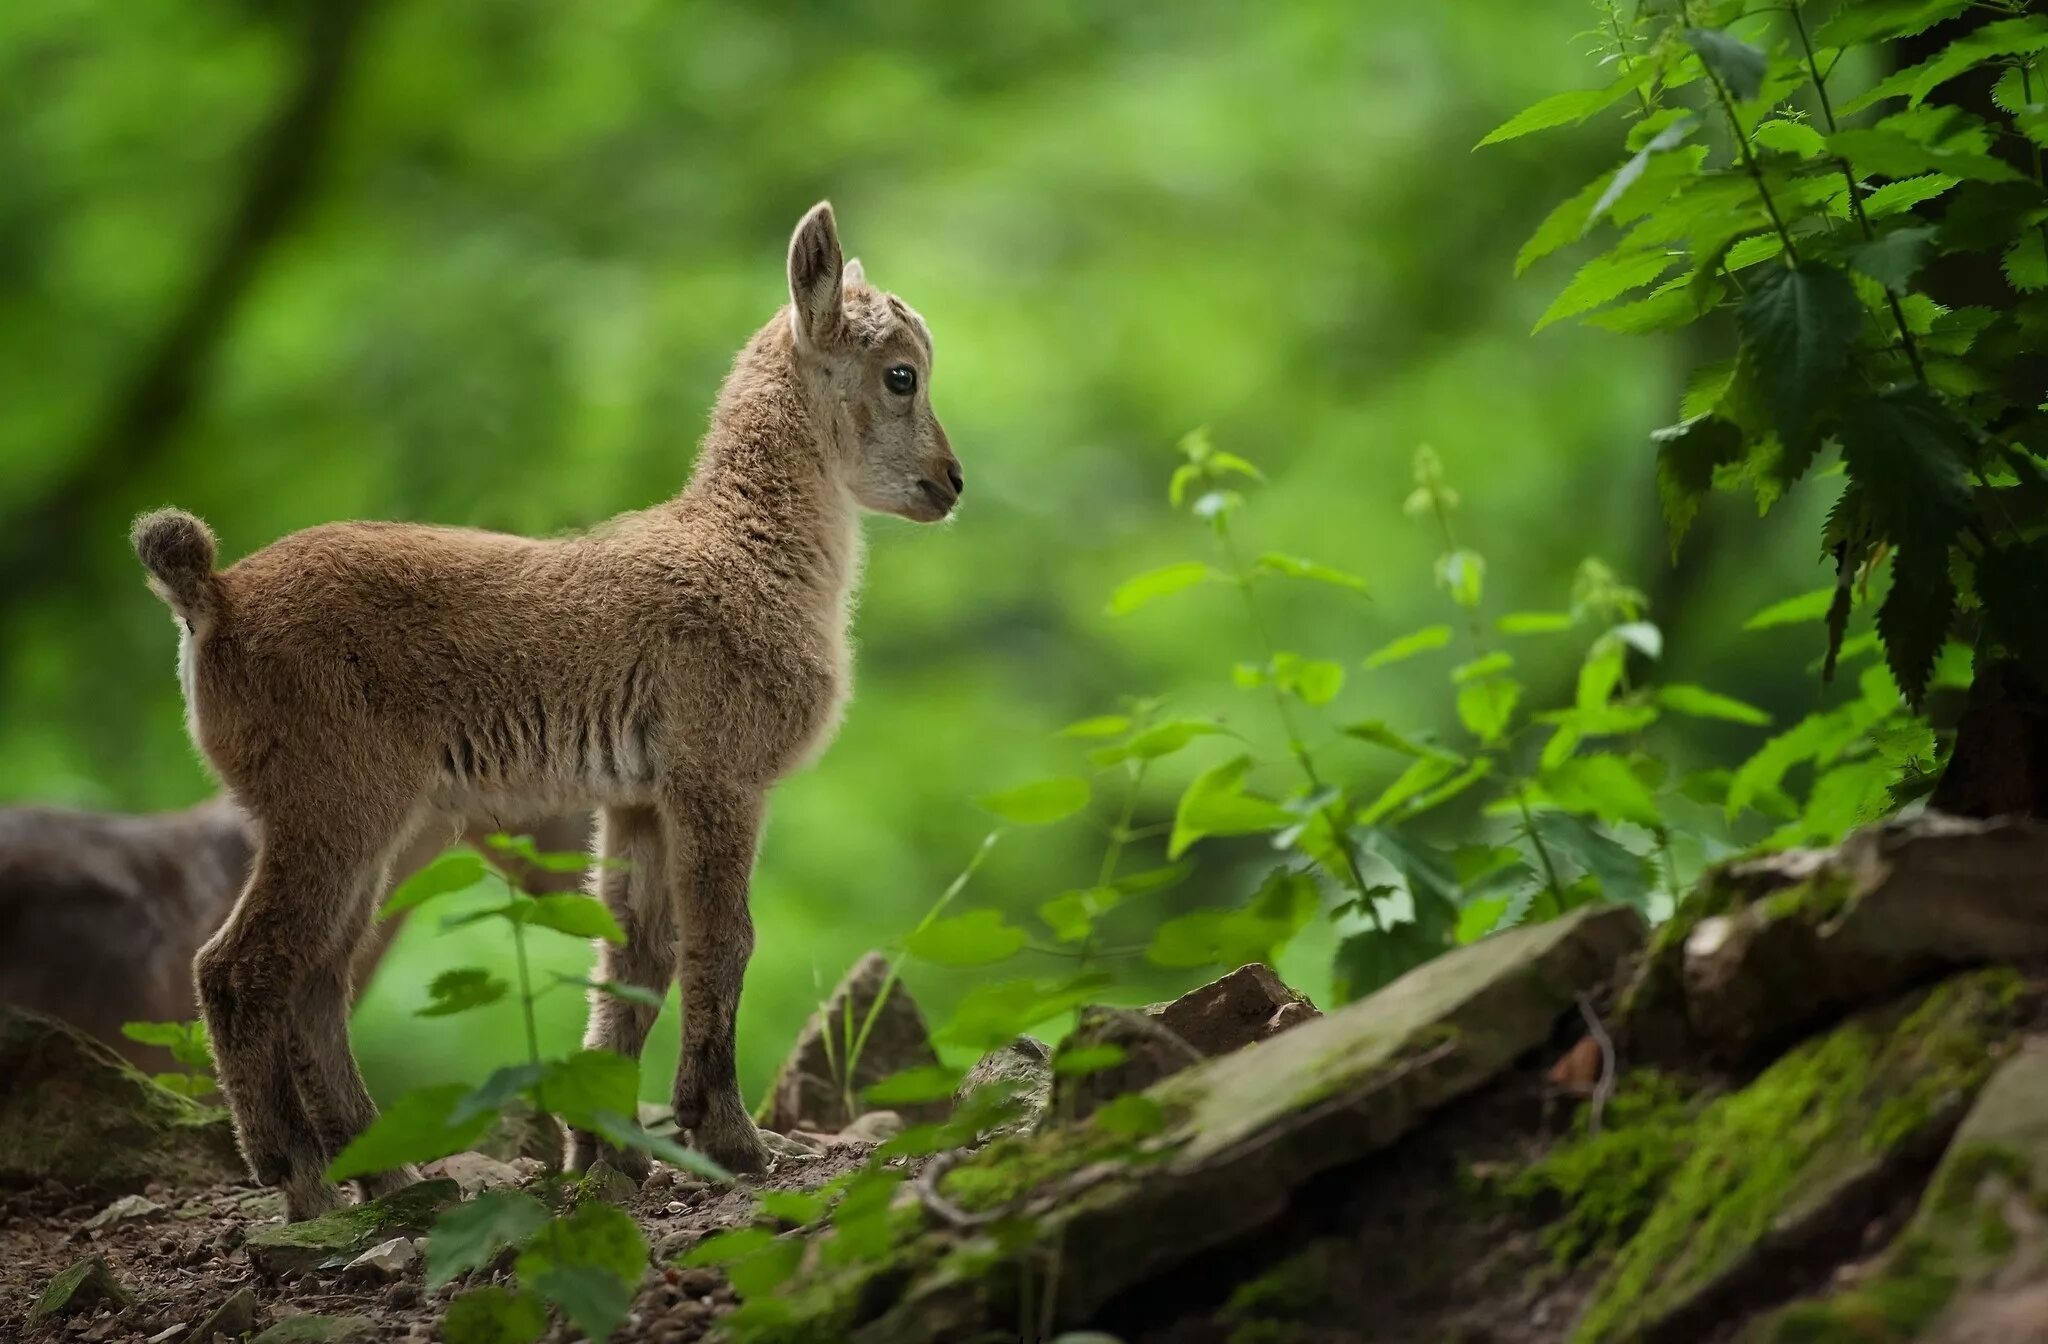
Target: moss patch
1827, 1111
335, 1238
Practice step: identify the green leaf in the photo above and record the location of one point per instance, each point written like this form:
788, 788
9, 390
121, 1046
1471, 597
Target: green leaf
1486, 707
1421, 776
614, 989
523, 848
1037, 804
1894, 258
1622, 874
1282, 908
1892, 153
1687, 455
1379, 734
2026, 262
1603, 279
1313, 681
1101, 725
1132, 1115
494, 1315
490, 1096
991, 1014
578, 916
1604, 786
457, 870
1736, 64
1486, 665
1798, 610
1161, 739
1906, 451
1135, 593
1534, 622
1564, 225
1853, 25
470, 1235
589, 1082
588, 1263
2026, 36
977, 938
1081, 1061
1789, 137
1700, 703
1798, 325
1408, 646
595, 1298
729, 1247
801, 1207
624, 1133
415, 1128
911, 1087
1215, 803
1371, 960
1559, 109
462, 989
1916, 614
1637, 168
187, 1041
1895, 198
1463, 573
1294, 567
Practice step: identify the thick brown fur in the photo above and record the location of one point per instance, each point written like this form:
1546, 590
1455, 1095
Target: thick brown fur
350, 681
101, 913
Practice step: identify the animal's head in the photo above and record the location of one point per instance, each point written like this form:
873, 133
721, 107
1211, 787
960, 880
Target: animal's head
874, 353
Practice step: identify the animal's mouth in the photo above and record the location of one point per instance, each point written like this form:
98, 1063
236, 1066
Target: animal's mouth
940, 497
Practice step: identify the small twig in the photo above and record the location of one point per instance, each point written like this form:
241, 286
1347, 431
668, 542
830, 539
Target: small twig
1604, 1089
945, 1210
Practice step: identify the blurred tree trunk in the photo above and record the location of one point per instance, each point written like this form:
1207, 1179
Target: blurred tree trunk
156, 396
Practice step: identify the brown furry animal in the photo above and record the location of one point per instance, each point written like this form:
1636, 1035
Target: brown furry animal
667, 669
101, 913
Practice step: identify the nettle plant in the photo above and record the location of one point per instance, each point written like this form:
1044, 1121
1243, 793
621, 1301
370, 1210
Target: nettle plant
1759, 183
188, 1045
573, 1252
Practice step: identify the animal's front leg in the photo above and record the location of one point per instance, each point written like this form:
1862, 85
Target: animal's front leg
633, 883
714, 872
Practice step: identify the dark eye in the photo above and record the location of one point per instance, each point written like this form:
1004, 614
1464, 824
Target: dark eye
901, 379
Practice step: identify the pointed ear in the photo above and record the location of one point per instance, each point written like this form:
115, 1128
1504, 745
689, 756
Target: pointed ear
856, 274
814, 277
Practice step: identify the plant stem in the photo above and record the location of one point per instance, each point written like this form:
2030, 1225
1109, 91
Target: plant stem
1340, 826
1827, 112
526, 1006
1113, 853
1756, 172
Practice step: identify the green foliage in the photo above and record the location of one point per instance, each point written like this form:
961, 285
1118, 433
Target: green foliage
188, 1044
1839, 348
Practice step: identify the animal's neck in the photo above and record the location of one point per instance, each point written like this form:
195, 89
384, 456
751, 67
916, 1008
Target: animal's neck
767, 476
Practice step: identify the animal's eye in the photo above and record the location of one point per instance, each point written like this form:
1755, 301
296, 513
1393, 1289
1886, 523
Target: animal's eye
900, 379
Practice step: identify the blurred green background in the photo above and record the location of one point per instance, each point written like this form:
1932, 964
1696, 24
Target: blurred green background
486, 263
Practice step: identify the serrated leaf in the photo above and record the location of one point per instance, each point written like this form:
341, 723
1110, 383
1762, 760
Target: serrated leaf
911, 1087
2026, 263
1040, 803
1856, 24
1423, 774
1559, 109
1216, 803
1915, 616
620, 1132
1295, 567
1894, 258
977, 938
588, 1083
461, 989
1700, 703
1564, 225
1134, 593
1161, 739
1605, 278
1635, 170
2026, 36
1895, 198
1622, 874
1687, 455
1905, 451
1377, 732
1486, 707
1604, 786
470, 1235
415, 1128
577, 916
589, 1264
1425, 640
1799, 325
1893, 154
457, 870
1790, 137
490, 1096
494, 1315
1798, 610
1735, 63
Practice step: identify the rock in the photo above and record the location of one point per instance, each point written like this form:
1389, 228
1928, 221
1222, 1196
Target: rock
1234, 1011
85, 1285
605, 1182
124, 1209
167, 1334
522, 1133
1151, 1052
75, 1112
230, 1320
658, 1117
333, 1239
1023, 1069
675, 1245
318, 1330
1972, 1265
1234, 1138
1766, 947
1800, 1157
808, 1091
474, 1173
873, 1127
386, 1260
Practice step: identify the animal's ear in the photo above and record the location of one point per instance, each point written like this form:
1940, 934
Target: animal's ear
856, 274
814, 277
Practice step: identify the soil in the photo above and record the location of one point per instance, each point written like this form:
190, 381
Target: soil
183, 1262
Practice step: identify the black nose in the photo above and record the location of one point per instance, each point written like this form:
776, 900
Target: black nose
953, 475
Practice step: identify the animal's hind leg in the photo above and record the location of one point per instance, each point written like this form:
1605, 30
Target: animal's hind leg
250, 975
632, 882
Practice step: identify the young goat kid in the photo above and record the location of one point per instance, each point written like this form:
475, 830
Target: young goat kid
352, 680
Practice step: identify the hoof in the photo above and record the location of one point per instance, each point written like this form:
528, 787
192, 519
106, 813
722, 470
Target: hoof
736, 1147
584, 1149
308, 1199
386, 1182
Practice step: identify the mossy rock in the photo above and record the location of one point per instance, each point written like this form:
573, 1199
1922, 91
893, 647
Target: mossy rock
1235, 1137
1769, 1169
85, 1285
1980, 1216
76, 1113
333, 1239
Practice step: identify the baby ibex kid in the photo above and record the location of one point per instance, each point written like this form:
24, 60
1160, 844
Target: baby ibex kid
353, 680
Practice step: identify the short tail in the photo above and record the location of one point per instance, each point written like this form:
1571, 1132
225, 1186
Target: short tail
177, 550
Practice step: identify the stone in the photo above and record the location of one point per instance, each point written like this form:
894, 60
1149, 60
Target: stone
474, 1173
1799, 1156
521, 1134
74, 1112
873, 1127
1765, 948
124, 1209
1230, 1141
1151, 1051
605, 1182
1024, 1068
318, 1330
809, 1091
1232, 1011
1972, 1264
232, 1319
386, 1260
333, 1239
83, 1286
